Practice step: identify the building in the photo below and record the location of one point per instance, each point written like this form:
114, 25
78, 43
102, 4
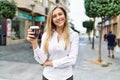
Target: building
113, 25
29, 12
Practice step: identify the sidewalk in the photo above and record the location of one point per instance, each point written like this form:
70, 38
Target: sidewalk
17, 63
86, 70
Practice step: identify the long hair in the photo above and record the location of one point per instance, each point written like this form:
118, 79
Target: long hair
50, 27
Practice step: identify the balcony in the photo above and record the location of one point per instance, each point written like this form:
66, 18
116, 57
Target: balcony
25, 5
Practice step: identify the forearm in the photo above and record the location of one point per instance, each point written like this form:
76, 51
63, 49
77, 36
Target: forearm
47, 63
64, 62
35, 44
39, 55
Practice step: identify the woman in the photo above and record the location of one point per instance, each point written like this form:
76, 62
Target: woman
59, 46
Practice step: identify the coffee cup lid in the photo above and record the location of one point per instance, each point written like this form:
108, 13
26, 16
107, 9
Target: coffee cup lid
34, 27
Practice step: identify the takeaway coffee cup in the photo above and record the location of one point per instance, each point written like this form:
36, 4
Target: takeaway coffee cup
35, 29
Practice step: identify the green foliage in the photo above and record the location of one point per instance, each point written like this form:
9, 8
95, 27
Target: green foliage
91, 8
7, 9
89, 25
102, 8
114, 8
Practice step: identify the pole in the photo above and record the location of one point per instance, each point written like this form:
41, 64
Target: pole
93, 34
32, 5
32, 18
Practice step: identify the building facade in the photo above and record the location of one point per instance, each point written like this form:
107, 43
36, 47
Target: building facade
113, 25
29, 12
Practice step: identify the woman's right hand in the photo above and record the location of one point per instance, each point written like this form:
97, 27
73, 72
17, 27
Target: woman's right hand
32, 39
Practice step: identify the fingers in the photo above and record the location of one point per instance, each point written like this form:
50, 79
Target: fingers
30, 32
30, 36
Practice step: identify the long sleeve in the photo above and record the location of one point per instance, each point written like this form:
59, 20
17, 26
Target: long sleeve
39, 54
72, 55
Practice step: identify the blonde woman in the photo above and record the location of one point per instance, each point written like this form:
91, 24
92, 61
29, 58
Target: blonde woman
59, 46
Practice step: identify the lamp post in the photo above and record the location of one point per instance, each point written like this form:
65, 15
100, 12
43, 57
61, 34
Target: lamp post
32, 6
93, 34
32, 13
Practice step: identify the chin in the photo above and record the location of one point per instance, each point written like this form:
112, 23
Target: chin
60, 26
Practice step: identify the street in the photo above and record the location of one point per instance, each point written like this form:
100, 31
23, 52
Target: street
87, 70
17, 63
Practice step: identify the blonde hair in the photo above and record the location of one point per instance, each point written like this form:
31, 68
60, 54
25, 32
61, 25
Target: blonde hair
50, 27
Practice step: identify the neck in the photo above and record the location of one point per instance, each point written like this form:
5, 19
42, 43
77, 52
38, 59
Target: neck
59, 30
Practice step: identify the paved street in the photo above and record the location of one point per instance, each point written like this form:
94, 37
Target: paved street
86, 70
17, 63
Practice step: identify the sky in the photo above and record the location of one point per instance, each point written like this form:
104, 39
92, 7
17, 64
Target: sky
77, 13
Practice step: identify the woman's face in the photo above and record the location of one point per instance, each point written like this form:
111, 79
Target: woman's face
58, 18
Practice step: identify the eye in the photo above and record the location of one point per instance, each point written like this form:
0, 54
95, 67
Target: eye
60, 14
54, 16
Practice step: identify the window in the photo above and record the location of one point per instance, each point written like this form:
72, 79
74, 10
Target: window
18, 29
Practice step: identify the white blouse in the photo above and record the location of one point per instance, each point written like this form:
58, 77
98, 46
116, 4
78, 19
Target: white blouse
62, 60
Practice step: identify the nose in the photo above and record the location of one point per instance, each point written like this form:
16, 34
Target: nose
58, 17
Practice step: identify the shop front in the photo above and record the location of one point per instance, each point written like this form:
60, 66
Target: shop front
18, 30
19, 26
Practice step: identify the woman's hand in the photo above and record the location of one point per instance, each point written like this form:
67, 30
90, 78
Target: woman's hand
47, 63
32, 39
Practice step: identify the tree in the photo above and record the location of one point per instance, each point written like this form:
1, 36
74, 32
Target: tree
7, 9
90, 10
105, 9
89, 25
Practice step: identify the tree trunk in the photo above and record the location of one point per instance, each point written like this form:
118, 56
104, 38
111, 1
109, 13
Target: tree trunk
99, 49
100, 40
89, 37
93, 34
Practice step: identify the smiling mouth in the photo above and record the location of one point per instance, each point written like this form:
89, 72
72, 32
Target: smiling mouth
60, 21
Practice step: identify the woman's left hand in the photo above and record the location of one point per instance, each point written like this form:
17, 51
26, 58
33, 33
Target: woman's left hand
47, 63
